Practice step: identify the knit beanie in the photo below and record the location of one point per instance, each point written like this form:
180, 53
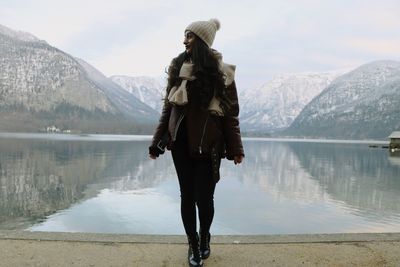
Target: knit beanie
205, 30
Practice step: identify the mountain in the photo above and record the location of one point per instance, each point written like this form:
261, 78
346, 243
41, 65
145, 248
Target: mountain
127, 103
20, 35
277, 103
362, 104
149, 90
41, 86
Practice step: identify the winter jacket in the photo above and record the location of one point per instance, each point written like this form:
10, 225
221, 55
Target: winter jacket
205, 131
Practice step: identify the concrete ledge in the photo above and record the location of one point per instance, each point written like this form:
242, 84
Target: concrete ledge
180, 239
22, 248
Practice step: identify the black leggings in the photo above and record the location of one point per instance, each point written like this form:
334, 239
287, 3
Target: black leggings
196, 185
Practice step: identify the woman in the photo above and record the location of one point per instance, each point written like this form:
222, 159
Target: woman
199, 124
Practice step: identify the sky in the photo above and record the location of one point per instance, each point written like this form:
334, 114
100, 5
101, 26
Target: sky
262, 38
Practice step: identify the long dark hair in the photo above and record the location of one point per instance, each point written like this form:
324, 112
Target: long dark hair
209, 78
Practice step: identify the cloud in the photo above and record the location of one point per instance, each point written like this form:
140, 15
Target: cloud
379, 16
59, 22
262, 38
149, 53
388, 47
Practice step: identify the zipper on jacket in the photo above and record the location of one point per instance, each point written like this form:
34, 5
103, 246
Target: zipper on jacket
202, 136
177, 126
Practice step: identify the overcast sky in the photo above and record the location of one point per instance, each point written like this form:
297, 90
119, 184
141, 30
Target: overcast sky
263, 38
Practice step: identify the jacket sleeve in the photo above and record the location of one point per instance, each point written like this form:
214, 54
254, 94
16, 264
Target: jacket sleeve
161, 131
231, 129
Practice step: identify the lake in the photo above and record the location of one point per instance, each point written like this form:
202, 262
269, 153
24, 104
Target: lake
107, 184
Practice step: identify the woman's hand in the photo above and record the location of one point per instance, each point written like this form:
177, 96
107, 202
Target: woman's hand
238, 159
154, 152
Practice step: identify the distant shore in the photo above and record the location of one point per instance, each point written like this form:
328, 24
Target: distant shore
126, 137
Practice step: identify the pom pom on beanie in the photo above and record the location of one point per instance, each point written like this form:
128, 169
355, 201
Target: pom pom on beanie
216, 22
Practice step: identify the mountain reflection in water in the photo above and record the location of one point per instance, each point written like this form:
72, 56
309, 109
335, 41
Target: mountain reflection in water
41, 177
110, 185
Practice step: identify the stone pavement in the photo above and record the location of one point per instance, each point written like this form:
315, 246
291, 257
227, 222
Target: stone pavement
20, 248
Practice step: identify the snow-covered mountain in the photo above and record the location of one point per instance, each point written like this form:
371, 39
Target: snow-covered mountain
275, 105
364, 103
19, 35
127, 103
41, 86
149, 90
268, 109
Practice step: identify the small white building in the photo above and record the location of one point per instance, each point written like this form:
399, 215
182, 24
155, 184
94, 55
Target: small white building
395, 139
52, 129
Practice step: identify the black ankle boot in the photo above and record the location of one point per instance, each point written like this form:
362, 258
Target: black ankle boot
205, 250
194, 256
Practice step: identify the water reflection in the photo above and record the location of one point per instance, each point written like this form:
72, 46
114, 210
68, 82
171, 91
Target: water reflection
394, 157
111, 186
40, 177
302, 187
274, 168
271, 194
363, 178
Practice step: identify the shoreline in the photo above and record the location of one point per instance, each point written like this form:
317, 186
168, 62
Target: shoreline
181, 239
139, 137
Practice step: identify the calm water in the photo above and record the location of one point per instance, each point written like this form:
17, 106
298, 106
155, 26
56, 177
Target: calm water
107, 184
